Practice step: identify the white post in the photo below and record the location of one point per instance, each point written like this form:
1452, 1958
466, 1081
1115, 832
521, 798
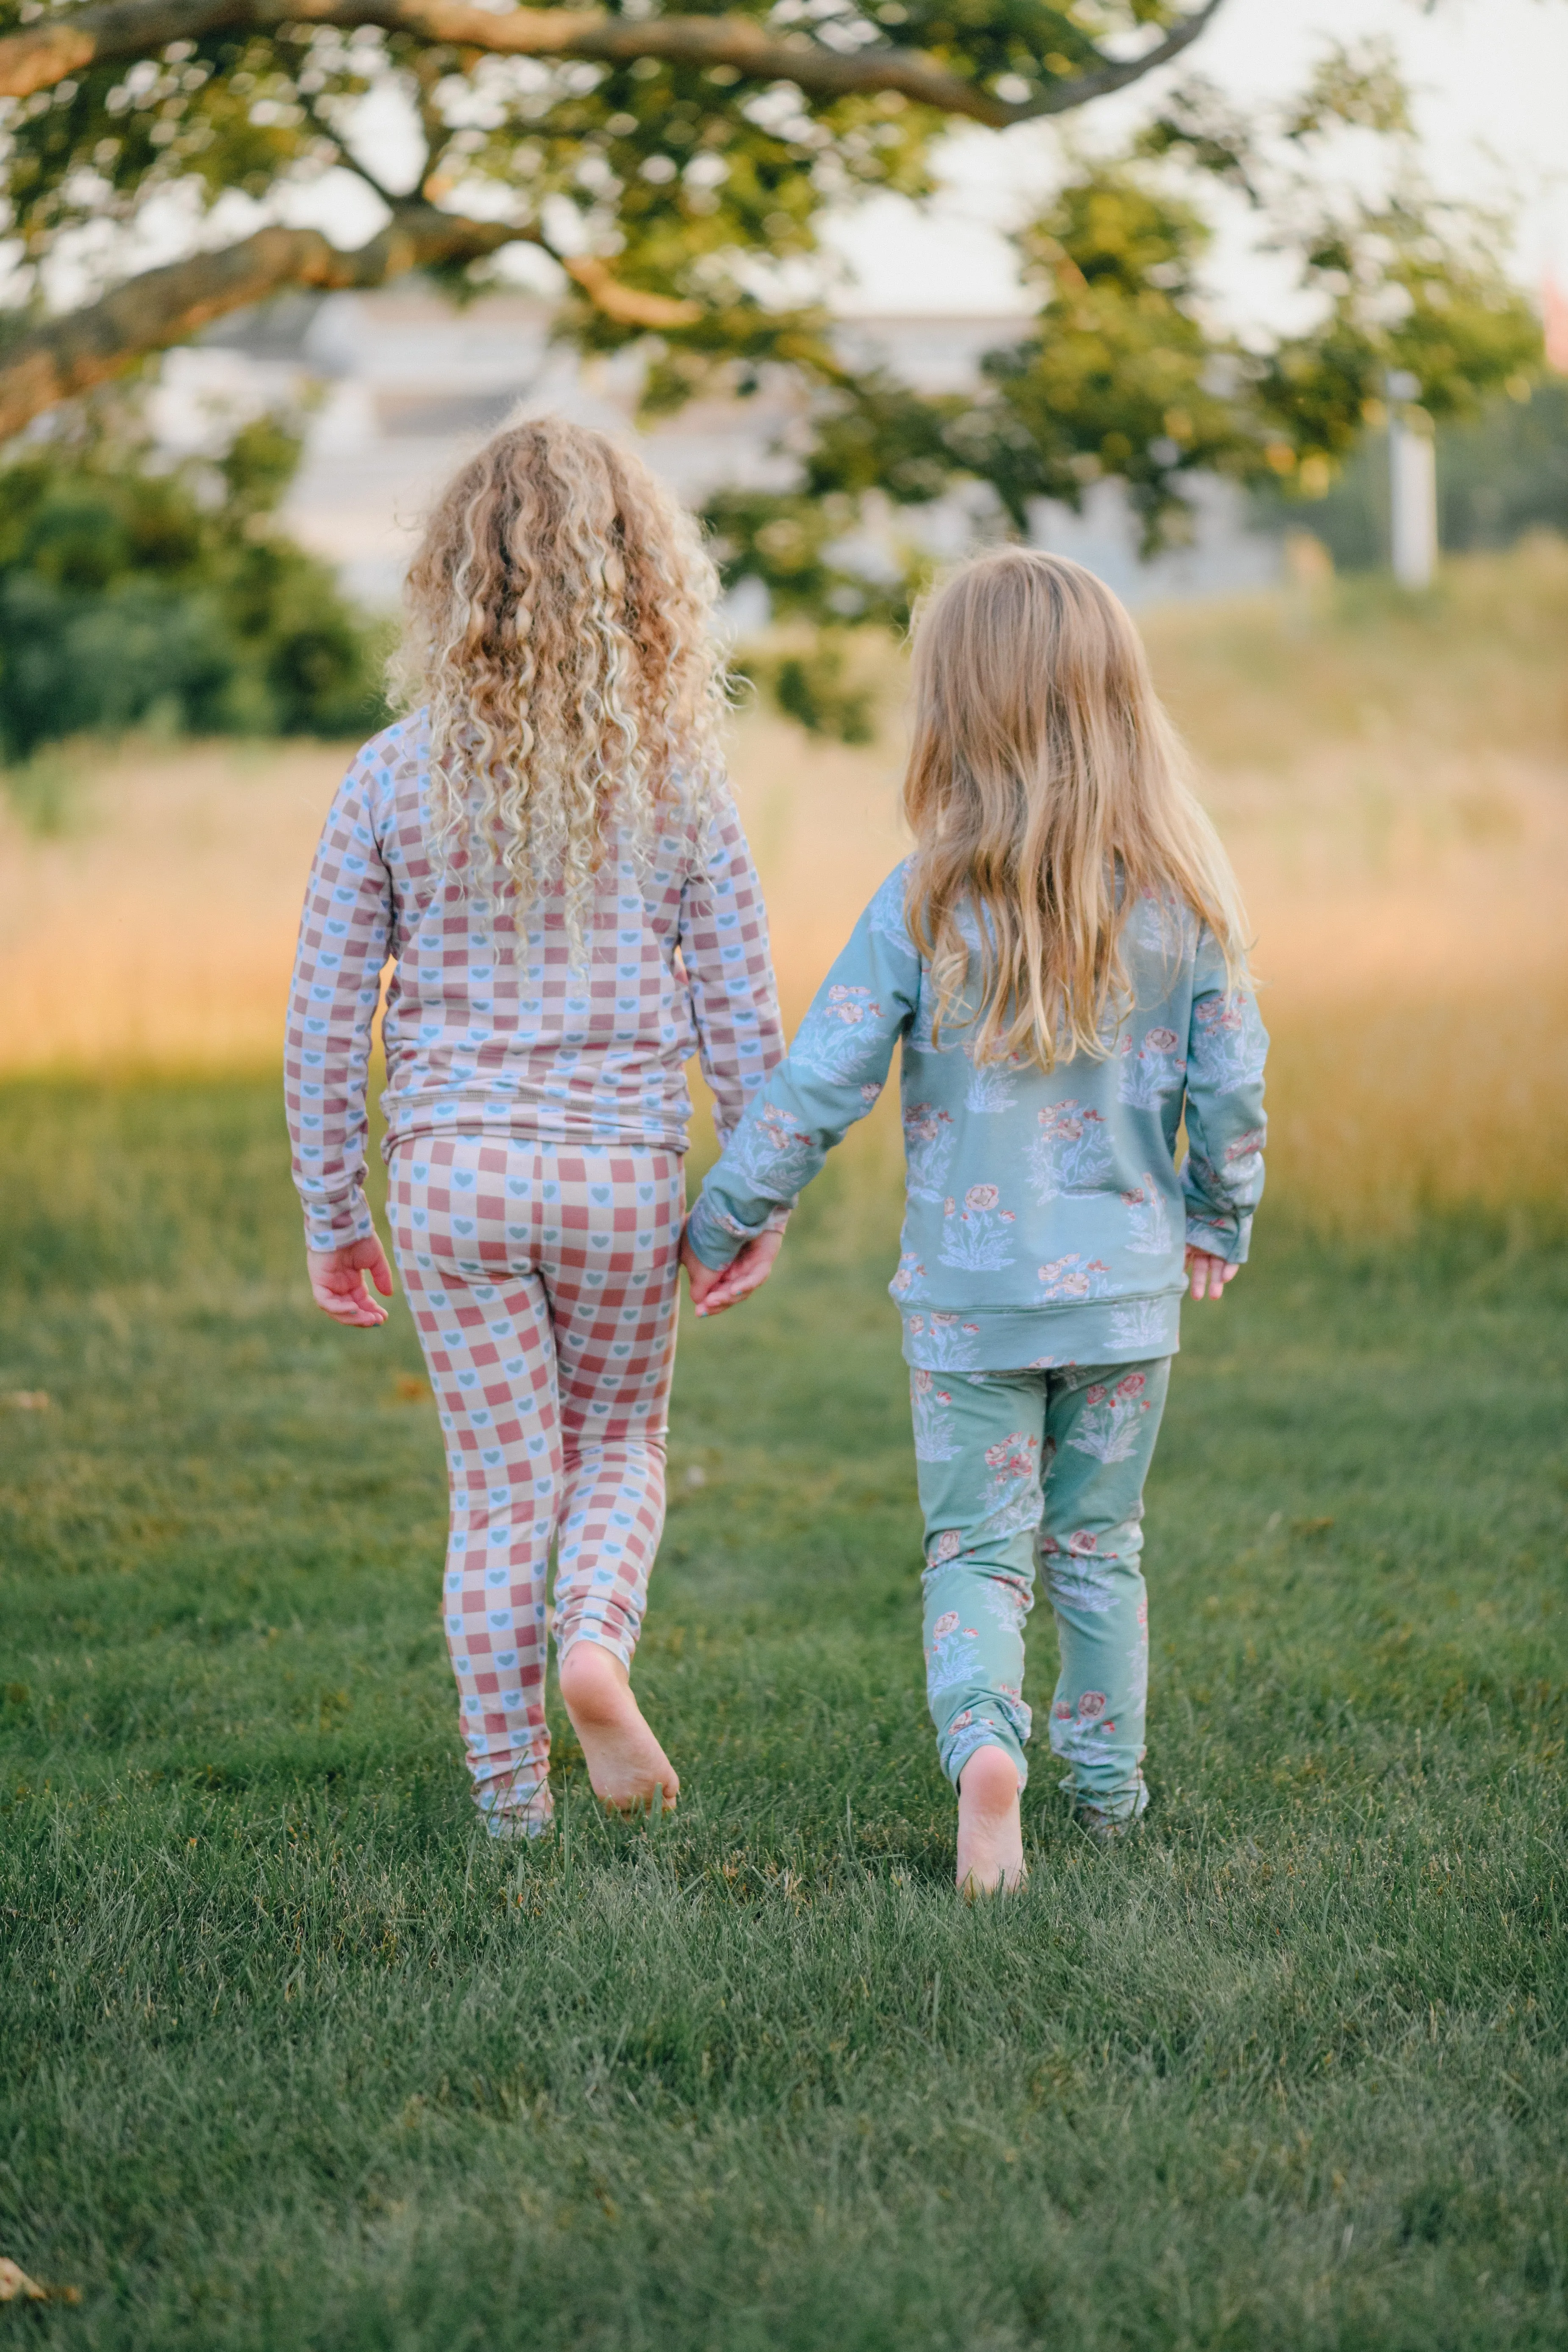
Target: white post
1412, 487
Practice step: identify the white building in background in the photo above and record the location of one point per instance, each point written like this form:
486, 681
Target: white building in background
402, 384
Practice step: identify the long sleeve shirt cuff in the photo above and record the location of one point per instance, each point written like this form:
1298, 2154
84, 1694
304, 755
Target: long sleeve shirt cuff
715, 1238
1226, 1238
332, 1224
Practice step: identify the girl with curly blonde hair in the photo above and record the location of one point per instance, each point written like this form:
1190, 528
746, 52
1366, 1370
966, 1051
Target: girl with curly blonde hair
544, 852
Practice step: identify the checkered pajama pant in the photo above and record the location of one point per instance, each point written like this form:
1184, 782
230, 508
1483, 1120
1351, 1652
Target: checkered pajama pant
543, 1283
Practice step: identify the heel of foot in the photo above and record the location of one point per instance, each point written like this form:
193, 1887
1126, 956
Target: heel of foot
990, 1829
627, 1770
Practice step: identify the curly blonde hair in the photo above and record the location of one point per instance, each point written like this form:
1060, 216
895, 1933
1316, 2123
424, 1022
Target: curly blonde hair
1046, 791
559, 625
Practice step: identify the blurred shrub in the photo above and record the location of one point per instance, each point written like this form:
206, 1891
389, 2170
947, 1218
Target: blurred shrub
133, 593
1499, 475
1506, 473
810, 687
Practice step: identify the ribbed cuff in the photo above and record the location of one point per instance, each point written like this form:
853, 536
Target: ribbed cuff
712, 1238
1226, 1241
335, 1225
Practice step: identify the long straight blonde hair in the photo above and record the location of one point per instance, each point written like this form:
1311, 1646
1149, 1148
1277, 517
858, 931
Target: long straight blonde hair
1046, 792
559, 624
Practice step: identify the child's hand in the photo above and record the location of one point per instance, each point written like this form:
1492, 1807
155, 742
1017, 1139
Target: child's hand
712, 1291
337, 1281
1207, 1274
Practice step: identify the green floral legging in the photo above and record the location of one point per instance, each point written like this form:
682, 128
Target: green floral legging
1048, 1465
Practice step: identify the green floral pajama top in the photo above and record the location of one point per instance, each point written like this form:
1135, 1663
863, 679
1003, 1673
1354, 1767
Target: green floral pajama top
1045, 1216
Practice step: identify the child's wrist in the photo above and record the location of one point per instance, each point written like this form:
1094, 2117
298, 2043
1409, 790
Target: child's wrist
710, 1240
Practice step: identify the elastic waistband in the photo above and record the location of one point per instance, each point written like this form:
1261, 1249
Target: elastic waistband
493, 1154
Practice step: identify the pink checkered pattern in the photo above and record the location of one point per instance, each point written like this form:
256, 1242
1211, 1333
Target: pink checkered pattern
488, 1027
542, 1282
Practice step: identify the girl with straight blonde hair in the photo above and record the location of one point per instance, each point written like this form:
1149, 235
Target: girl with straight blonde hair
545, 853
1063, 962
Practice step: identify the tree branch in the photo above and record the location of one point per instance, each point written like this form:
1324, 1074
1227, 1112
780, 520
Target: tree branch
47, 52
87, 347
627, 305
349, 161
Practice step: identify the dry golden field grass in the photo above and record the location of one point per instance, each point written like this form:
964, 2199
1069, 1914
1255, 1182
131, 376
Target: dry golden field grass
1391, 778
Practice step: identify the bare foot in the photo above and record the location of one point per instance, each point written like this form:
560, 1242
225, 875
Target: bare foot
990, 1834
628, 1769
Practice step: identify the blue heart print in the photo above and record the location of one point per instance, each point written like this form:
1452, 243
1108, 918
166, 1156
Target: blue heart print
495, 1564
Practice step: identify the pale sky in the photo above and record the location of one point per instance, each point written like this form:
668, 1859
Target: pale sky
1490, 79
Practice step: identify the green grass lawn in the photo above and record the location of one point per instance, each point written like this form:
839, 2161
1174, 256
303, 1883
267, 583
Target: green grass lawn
292, 2057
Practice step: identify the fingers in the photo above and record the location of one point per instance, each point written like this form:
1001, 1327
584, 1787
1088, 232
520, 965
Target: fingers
338, 1282
728, 1291
1209, 1275
351, 1305
745, 1274
702, 1281
717, 1297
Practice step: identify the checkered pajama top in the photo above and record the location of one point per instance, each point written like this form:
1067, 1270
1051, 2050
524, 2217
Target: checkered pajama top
487, 1030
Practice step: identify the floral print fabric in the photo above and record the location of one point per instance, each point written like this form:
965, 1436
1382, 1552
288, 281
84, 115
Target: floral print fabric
488, 1027
1027, 1471
543, 1283
1044, 1217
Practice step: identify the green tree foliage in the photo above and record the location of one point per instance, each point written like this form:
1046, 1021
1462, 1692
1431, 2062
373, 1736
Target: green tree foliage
673, 162
129, 594
662, 157
1125, 373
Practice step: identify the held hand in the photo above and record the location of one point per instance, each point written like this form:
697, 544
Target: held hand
712, 1291
338, 1279
1209, 1275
